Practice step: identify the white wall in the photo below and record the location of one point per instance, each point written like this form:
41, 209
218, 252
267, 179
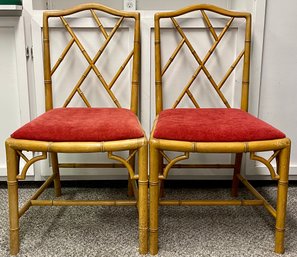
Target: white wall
279, 71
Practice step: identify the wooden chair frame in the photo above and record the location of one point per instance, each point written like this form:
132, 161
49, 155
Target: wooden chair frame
160, 170
15, 147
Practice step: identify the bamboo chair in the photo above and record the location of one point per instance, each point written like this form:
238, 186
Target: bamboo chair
83, 129
210, 130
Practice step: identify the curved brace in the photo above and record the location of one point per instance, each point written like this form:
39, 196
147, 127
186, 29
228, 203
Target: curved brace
125, 162
267, 163
171, 162
23, 174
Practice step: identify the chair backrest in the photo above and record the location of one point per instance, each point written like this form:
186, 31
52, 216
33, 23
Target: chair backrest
95, 59
200, 49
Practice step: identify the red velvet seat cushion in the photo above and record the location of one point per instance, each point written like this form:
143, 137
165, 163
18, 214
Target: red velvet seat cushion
82, 124
213, 125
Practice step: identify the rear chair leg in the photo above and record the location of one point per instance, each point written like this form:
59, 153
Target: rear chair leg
283, 171
12, 184
161, 182
131, 191
235, 181
130, 187
57, 182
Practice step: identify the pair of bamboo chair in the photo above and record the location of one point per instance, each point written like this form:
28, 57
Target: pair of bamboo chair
188, 130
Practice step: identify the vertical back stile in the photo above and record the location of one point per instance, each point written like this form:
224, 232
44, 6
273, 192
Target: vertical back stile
47, 65
136, 66
158, 72
246, 66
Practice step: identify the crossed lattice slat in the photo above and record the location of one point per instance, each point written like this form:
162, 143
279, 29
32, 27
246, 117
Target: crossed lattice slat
92, 62
202, 62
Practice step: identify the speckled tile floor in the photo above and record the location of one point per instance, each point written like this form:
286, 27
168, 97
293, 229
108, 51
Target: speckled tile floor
112, 231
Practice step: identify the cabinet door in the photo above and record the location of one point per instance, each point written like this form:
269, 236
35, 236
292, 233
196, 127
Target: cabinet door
14, 100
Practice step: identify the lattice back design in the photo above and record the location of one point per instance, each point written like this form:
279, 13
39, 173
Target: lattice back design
203, 12
132, 56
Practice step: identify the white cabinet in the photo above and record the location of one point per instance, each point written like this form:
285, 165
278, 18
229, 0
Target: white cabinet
14, 97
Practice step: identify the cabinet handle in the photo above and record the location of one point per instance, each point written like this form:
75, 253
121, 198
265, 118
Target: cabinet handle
27, 52
32, 56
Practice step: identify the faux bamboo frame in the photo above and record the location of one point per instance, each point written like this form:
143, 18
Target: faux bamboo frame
159, 170
14, 147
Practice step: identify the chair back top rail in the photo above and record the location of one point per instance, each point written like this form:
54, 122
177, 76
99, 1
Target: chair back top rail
160, 68
134, 54
205, 7
89, 6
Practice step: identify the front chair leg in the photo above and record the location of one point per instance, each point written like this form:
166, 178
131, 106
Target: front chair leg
154, 199
143, 199
283, 171
12, 184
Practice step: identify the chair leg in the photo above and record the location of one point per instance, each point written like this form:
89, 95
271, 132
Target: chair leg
130, 182
235, 181
12, 184
143, 199
57, 182
154, 198
161, 182
130, 192
283, 171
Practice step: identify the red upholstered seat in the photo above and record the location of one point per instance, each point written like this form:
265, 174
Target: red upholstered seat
213, 125
82, 124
